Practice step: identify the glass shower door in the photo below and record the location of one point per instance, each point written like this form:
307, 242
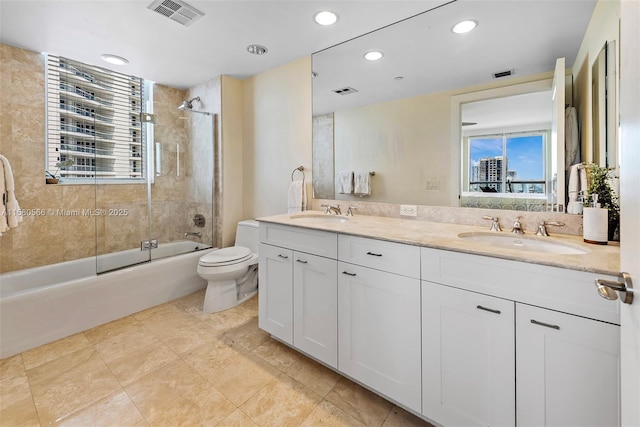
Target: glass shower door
182, 218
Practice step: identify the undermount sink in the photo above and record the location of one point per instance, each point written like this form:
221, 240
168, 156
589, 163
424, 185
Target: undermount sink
523, 243
319, 218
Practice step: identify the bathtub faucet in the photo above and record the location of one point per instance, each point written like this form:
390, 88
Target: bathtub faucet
192, 233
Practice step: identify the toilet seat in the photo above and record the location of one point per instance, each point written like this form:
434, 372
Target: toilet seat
227, 256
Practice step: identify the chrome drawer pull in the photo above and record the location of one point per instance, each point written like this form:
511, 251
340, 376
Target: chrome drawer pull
479, 307
349, 274
302, 261
546, 325
283, 256
371, 253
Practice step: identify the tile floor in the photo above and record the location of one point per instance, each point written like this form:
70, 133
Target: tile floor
173, 365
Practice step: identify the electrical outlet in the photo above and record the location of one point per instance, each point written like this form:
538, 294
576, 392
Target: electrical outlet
408, 210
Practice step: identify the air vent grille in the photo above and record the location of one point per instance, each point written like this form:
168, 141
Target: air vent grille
176, 10
501, 74
345, 91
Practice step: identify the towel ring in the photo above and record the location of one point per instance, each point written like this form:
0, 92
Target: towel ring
299, 168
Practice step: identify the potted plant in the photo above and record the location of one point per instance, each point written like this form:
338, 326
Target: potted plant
54, 178
600, 183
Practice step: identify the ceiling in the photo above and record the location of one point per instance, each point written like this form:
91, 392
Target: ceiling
423, 56
171, 54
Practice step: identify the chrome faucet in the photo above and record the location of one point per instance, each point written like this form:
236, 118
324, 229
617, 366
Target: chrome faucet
542, 229
517, 227
495, 225
332, 209
350, 210
197, 234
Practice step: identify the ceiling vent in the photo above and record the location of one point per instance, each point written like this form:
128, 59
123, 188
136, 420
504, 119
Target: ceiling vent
176, 10
501, 74
345, 91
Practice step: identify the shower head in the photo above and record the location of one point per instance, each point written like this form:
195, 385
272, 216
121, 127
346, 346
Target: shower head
188, 105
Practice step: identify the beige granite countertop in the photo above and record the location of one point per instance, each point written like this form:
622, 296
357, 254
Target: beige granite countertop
601, 259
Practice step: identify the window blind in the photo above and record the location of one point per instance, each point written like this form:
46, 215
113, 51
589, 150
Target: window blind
93, 122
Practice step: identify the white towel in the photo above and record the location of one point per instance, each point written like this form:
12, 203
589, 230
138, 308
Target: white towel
10, 210
571, 137
574, 207
578, 183
361, 184
297, 197
344, 182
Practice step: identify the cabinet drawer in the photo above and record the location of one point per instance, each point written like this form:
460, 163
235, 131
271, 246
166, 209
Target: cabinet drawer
569, 291
316, 242
386, 256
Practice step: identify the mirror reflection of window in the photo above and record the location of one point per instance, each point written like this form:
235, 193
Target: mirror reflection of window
507, 163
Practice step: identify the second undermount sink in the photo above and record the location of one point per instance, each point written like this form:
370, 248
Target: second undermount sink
318, 217
523, 243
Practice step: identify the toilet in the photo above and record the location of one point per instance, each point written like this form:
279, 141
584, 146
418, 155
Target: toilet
231, 273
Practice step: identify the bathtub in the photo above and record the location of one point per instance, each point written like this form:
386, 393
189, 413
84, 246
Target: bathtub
42, 304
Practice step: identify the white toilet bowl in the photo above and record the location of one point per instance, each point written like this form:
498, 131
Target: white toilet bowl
231, 273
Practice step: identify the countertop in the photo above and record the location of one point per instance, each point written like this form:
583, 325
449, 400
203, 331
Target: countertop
600, 259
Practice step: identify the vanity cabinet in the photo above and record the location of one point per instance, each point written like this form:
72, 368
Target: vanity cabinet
462, 339
563, 365
568, 369
379, 317
298, 289
468, 364
275, 291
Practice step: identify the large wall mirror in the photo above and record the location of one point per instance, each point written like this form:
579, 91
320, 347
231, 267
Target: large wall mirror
393, 116
604, 109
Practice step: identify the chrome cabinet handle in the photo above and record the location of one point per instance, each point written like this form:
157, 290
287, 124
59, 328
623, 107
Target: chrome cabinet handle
349, 274
283, 256
373, 254
302, 261
479, 307
546, 325
610, 290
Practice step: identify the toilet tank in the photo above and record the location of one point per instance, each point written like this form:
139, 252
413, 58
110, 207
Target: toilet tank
247, 235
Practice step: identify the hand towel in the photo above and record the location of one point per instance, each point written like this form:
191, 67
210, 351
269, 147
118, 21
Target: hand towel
574, 206
10, 204
344, 182
361, 184
571, 137
297, 197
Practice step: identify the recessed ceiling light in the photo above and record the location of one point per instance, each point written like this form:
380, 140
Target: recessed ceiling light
373, 55
398, 78
326, 17
114, 59
464, 27
257, 49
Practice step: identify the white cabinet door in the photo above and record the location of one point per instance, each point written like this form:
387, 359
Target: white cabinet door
468, 366
379, 332
568, 369
275, 291
315, 307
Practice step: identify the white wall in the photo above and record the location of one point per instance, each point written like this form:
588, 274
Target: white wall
277, 135
405, 142
232, 177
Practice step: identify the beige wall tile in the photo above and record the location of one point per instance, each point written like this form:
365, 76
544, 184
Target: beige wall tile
52, 240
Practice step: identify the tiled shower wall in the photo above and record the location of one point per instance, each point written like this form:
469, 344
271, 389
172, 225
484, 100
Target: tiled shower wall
53, 233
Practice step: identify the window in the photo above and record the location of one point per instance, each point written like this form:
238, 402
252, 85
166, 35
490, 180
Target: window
93, 123
507, 163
